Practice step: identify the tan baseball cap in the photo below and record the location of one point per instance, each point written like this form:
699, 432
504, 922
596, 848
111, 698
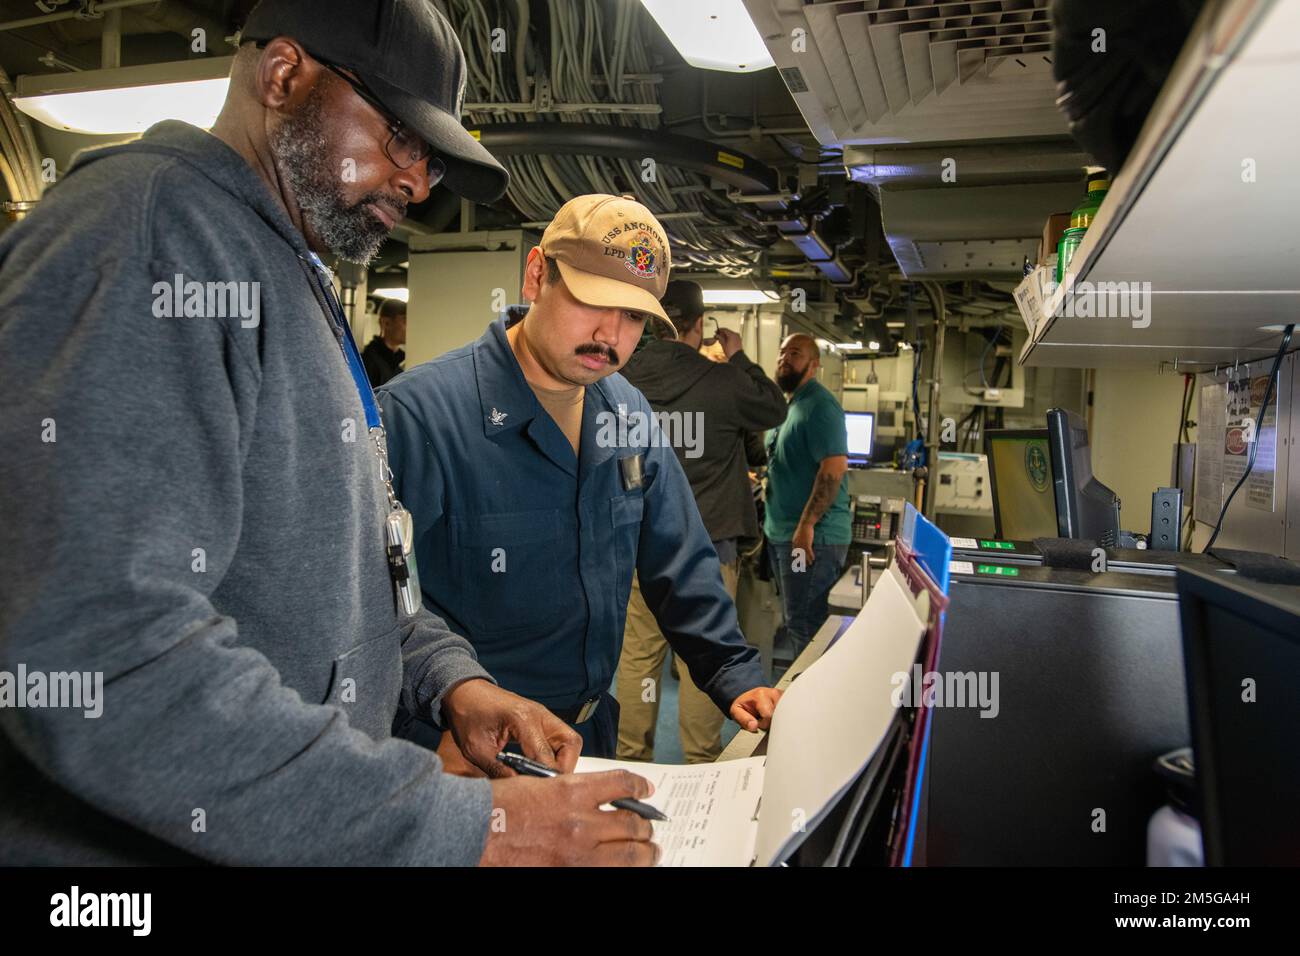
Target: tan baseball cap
612, 252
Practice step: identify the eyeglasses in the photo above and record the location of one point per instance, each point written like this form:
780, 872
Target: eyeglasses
404, 147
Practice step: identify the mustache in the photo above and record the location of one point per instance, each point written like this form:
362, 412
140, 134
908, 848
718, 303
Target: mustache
395, 205
595, 348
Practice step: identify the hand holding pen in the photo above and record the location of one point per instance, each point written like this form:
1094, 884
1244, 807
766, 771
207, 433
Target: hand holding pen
531, 768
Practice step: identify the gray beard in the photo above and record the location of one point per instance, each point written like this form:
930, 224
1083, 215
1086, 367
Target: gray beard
301, 152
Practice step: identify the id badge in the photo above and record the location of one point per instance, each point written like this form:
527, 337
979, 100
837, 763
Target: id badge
398, 535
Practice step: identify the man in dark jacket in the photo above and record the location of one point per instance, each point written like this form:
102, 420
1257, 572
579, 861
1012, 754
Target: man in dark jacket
730, 400
383, 356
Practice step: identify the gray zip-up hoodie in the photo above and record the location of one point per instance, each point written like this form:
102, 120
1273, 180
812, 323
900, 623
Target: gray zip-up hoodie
191, 508
731, 399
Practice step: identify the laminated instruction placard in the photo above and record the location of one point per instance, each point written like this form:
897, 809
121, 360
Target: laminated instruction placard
1244, 399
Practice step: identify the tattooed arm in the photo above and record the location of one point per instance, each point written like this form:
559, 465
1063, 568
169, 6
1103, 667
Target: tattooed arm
826, 485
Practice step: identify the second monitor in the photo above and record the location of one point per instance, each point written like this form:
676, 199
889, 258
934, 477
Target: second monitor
1020, 472
1043, 485
1085, 508
861, 428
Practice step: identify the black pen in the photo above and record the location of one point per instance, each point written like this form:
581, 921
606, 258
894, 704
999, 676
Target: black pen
531, 768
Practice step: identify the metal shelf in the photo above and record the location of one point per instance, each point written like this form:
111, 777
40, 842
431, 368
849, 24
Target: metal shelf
1206, 210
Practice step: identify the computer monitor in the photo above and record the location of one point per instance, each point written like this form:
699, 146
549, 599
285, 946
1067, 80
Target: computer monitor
1085, 508
861, 427
1020, 478
1241, 651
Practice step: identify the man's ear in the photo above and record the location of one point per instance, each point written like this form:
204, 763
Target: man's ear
534, 269
285, 74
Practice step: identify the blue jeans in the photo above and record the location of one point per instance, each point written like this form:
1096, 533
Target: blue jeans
805, 594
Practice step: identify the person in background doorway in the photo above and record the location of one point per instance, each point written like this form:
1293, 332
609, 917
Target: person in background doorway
730, 399
383, 355
807, 519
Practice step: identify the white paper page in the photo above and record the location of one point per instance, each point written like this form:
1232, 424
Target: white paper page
712, 808
832, 718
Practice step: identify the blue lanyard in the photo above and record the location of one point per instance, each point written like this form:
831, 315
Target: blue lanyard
348, 344
397, 525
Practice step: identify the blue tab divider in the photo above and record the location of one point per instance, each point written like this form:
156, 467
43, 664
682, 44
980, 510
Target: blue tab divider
931, 546
932, 551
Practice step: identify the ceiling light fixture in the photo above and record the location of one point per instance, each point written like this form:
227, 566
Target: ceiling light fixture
712, 34
717, 296
128, 99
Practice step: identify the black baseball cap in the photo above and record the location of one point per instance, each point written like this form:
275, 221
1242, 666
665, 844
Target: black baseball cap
406, 53
683, 299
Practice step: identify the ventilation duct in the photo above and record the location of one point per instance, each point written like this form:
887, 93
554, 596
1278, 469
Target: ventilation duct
905, 71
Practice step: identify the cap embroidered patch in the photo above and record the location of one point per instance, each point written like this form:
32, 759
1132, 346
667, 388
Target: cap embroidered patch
641, 260
611, 252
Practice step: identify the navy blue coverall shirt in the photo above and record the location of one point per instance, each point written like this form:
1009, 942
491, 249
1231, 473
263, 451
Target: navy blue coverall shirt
528, 550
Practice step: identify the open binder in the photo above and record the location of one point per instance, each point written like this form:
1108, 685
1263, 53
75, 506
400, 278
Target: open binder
878, 823
838, 746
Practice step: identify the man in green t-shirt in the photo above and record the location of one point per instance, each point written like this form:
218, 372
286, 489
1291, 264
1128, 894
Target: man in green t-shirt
808, 525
